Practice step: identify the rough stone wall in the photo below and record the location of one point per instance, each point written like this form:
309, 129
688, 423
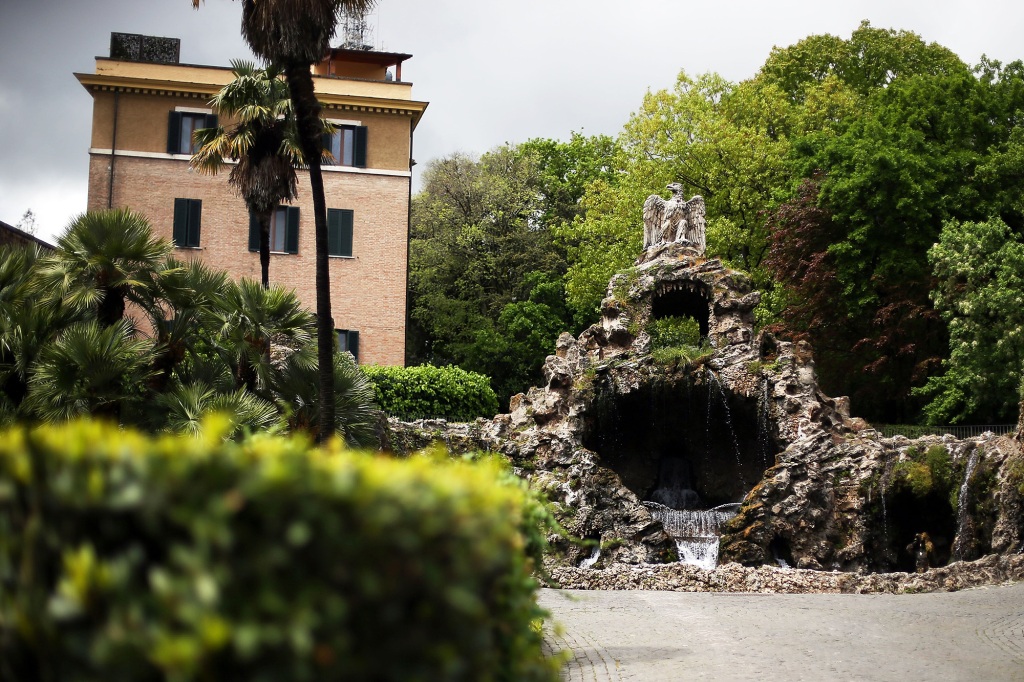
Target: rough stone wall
832, 494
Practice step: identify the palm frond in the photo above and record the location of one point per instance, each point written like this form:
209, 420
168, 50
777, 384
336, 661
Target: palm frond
296, 391
185, 406
88, 369
104, 258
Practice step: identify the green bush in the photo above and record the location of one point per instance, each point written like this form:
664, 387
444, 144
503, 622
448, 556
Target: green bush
428, 392
927, 472
672, 331
129, 558
677, 341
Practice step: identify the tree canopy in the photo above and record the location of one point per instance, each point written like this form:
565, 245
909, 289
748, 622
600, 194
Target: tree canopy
828, 175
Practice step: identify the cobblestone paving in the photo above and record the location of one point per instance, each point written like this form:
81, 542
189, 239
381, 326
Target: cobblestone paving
975, 635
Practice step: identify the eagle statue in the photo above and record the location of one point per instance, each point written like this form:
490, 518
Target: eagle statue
675, 220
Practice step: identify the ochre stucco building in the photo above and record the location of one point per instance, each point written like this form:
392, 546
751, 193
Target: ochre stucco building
145, 105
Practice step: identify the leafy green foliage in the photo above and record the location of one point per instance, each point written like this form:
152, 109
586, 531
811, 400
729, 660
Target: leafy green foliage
828, 175
719, 140
485, 269
216, 345
979, 291
673, 331
428, 392
677, 340
927, 141
125, 557
927, 473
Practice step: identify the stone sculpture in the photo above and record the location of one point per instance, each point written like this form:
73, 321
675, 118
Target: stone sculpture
675, 220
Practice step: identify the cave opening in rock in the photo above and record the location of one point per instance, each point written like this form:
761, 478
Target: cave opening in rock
683, 299
688, 444
920, 529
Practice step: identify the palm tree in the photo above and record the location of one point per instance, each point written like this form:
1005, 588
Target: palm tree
251, 318
90, 369
262, 140
182, 313
355, 404
26, 325
184, 407
296, 34
105, 260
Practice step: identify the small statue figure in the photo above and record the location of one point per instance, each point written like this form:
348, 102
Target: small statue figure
675, 220
923, 551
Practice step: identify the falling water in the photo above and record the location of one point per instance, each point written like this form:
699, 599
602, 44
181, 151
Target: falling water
728, 417
883, 482
707, 426
961, 505
592, 559
764, 423
695, 532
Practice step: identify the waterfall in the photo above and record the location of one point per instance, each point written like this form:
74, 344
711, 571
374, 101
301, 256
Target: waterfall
592, 559
728, 417
764, 422
695, 532
961, 506
883, 482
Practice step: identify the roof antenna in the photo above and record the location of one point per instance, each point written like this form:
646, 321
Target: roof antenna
356, 32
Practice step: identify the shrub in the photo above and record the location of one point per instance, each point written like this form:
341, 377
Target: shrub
428, 392
672, 331
677, 341
927, 473
129, 558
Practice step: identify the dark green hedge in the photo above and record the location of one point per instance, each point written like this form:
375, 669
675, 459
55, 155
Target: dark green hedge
428, 392
128, 558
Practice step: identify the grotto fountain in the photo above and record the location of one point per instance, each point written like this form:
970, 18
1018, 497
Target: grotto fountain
651, 452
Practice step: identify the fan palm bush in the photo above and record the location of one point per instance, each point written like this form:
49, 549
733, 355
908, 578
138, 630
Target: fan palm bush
69, 348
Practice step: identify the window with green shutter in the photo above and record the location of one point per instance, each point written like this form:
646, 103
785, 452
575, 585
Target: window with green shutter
339, 231
188, 215
347, 144
181, 126
284, 230
348, 342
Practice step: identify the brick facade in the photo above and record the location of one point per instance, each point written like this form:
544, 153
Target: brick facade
368, 290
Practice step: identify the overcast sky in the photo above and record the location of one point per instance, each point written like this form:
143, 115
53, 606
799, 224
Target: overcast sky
492, 72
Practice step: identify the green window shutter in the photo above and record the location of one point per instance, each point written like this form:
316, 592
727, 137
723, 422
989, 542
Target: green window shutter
254, 232
353, 344
347, 222
211, 121
174, 133
195, 222
291, 237
334, 232
180, 232
359, 155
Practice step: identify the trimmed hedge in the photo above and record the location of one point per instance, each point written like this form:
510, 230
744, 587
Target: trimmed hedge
129, 558
428, 392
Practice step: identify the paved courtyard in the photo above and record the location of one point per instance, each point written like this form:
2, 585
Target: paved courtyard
975, 635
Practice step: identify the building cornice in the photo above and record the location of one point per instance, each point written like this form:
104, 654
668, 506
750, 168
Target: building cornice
96, 151
331, 102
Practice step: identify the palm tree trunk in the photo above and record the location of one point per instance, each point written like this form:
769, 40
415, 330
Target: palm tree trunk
307, 115
264, 221
110, 310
